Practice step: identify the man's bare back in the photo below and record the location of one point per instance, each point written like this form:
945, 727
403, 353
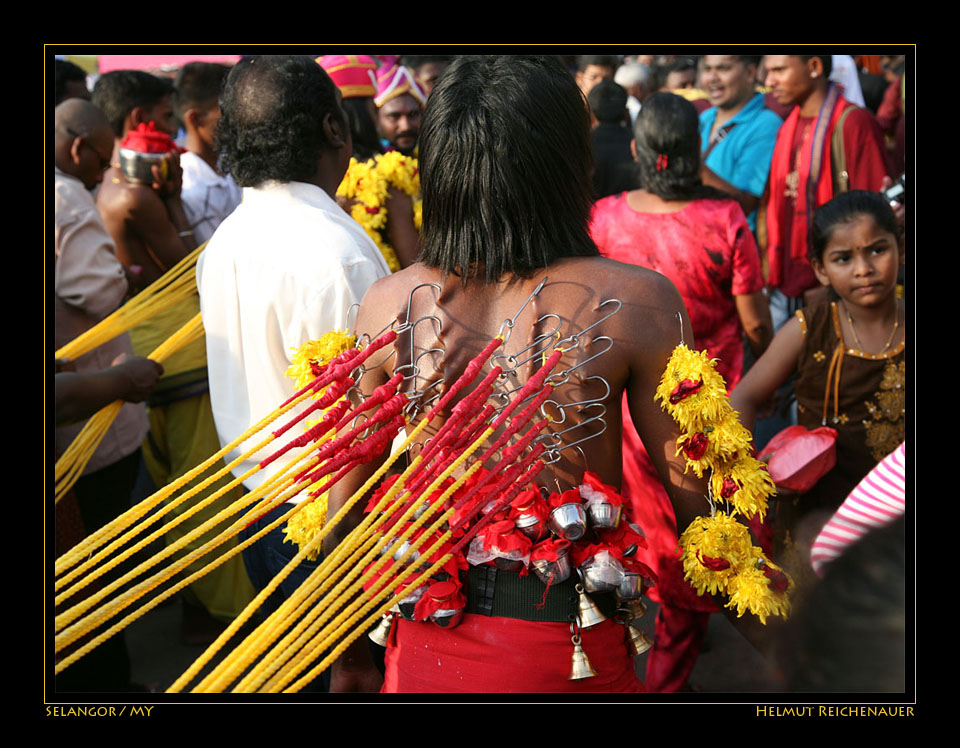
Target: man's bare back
631, 347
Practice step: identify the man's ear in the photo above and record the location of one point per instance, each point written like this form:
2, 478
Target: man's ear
633, 148
333, 131
815, 67
134, 117
192, 118
75, 149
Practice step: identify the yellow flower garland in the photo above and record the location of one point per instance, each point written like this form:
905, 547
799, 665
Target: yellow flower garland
717, 553
305, 524
367, 184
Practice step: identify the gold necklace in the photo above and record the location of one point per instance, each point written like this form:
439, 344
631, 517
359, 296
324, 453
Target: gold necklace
853, 327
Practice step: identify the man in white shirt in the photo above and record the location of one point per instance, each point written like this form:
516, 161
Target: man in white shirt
287, 265
208, 195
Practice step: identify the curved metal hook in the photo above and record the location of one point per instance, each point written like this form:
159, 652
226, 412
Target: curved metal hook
512, 358
575, 337
406, 325
556, 437
580, 405
562, 377
510, 322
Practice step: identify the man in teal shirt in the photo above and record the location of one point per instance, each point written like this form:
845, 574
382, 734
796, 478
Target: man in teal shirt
738, 133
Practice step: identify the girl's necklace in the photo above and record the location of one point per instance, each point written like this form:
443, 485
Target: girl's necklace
896, 324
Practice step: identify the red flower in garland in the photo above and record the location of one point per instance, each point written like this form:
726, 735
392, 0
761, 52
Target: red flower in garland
686, 388
696, 446
778, 580
730, 487
714, 564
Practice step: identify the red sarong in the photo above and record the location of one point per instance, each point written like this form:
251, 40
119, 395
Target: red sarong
487, 654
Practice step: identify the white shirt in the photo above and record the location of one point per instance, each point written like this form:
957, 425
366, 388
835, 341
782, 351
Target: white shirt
844, 73
284, 268
207, 197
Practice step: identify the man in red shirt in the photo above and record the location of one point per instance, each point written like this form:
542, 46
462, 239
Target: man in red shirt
826, 145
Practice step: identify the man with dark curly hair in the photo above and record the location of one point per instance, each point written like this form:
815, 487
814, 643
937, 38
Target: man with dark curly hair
286, 266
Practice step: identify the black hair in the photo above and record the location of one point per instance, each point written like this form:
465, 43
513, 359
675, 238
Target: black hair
849, 632
844, 208
363, 129
198, 86
604, 61
65, 72
121, 91
667, 135
608, 101
754, 60
271, 125
505, 168
825, 59
415, 62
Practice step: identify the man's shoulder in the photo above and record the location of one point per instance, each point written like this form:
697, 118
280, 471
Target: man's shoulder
119, 197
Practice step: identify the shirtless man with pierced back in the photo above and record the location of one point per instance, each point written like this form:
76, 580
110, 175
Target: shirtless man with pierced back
505, 169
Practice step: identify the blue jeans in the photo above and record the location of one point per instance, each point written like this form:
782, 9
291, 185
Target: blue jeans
265, 559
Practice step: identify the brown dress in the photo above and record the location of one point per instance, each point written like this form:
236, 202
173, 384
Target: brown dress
866, 408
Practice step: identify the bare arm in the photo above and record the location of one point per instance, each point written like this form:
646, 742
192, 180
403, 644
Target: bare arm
754, 312
354, 671
401, 231
769, 373
78, 395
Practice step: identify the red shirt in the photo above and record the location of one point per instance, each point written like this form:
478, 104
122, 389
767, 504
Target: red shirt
708, 252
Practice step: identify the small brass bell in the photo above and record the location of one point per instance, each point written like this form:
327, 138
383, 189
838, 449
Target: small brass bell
380, 634
581, 667
587, 610
639, 641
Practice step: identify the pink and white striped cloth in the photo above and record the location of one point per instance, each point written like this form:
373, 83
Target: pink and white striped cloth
876, 501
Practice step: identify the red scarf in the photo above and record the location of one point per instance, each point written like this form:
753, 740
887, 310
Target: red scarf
815, 187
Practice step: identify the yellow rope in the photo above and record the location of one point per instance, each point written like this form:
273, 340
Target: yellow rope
278, 481
172, 287
72, 462
89, 544
234, 662
345, 590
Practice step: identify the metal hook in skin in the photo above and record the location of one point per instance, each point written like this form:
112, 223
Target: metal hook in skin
680, 317
510, 322
552, 453
405, 325
511, 362
562, 377
580, 405
575, 338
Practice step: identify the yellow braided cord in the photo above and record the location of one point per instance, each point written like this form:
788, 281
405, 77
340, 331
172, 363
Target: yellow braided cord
172, 287
343, 594
277, 482
232, 662
99, 560
357, 631
318, 640
85, 547
72, 462
92, 644
356, 597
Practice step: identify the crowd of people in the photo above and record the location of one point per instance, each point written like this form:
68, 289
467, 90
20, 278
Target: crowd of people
749, 206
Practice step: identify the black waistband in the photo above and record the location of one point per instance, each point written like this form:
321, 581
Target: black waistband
494, 592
